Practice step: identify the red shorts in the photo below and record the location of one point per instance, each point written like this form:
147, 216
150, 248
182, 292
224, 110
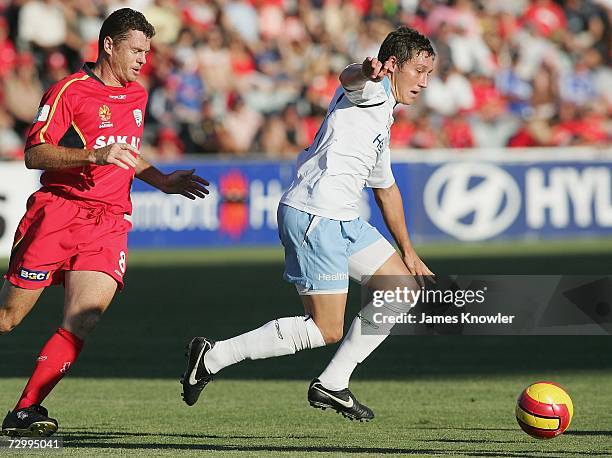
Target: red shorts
58, 234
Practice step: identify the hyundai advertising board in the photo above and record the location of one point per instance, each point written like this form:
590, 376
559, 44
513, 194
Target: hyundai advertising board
475, 201
457, 199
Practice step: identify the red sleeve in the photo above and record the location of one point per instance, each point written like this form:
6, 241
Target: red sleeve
54, 115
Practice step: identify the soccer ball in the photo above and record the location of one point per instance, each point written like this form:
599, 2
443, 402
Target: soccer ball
544, 410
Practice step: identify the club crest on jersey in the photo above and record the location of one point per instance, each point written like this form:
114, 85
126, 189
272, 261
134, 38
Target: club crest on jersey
105, 116
33, 275
138, 116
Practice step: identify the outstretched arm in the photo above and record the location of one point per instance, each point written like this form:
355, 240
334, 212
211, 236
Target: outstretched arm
47, 156
354, 76
183, 182
389, 201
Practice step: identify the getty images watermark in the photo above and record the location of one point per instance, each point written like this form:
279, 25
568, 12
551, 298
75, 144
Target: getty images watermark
487, 305
411, 297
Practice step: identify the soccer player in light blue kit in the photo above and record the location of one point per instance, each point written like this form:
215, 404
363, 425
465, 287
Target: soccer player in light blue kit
325, 240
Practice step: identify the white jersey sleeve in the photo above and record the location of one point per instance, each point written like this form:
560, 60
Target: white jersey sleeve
382, 175
371, 93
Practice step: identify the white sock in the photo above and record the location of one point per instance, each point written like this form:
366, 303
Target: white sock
354, 349
283, 336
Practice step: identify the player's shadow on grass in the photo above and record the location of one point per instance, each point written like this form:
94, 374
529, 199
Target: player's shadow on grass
588, 433
94, 439
453, 428
105, 435
469, 441
304, 449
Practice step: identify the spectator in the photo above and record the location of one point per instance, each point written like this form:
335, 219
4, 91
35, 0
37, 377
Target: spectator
297, 135
203, 137
449, 92
199, 14
535, 132
22, 92
458, 133
516, 89
166, 20
214, 62
546, 17
47, 15
425, 136
545, 93
239, 128
241, 59
402, 129
273, 138
162, 102
440, 40
8, 54
241, 17
190, 90
56, 68
469, 52
577, 85
271, 18
11, 144
492, 127
169, 145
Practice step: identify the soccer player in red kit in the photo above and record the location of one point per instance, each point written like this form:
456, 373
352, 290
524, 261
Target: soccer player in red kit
86, 137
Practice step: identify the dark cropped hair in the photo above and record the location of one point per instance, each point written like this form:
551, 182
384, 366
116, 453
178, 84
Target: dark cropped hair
404, 43
120, 22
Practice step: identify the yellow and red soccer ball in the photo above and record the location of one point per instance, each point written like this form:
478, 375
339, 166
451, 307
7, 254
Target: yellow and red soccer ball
544, 410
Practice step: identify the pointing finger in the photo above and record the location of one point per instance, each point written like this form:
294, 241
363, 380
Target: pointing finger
377, 69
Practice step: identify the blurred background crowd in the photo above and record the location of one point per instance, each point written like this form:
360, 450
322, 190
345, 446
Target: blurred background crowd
256, 76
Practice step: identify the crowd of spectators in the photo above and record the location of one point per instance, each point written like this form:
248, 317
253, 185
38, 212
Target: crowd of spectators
248, 76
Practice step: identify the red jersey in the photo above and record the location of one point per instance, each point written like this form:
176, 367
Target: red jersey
80, 111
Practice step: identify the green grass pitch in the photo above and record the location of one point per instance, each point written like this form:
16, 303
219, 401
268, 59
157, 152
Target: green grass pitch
433, 396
